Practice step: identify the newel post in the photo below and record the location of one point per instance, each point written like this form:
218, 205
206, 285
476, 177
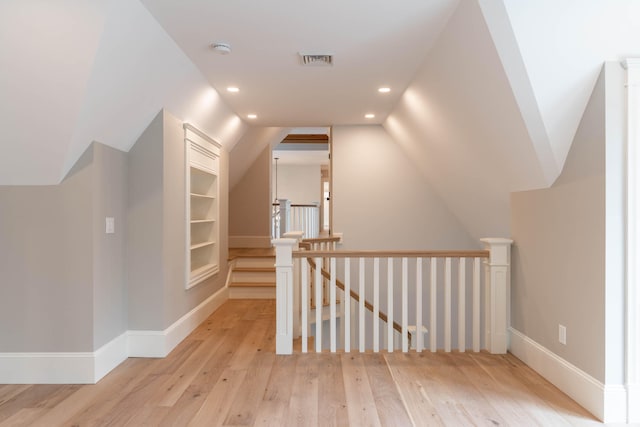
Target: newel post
284, 295
297, 323
497, 293
285, 216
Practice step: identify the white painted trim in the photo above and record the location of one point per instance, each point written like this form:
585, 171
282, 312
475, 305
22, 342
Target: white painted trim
607, 403
633, 397
90, 367
160, 343
249, 241
632, 318
110, 355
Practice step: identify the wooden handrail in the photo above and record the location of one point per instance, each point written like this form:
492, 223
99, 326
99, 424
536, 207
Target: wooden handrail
322, 239
298, 205
356, 297
390, 254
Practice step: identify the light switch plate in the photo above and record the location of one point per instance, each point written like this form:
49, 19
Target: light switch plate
110, 225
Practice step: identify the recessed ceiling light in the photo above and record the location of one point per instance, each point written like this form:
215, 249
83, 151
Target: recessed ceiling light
384, 89
252, 116
233, 89
369, 116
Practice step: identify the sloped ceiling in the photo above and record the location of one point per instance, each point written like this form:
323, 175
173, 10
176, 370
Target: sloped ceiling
495, 107
495, 89
563, 46
83, 71
460, 123
46, 56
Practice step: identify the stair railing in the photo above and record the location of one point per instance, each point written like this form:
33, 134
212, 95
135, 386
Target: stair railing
432, 298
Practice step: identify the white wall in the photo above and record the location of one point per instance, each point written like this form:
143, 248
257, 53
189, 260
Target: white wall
382, 201
298, 183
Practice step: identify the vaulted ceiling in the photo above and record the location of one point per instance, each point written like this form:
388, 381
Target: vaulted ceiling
501, 84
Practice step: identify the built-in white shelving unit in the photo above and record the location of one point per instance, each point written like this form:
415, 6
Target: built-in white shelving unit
202, 166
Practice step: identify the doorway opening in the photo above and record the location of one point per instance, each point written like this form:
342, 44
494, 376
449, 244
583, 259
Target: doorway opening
302, 176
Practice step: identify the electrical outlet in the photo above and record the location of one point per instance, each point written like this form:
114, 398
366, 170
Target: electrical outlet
562, 334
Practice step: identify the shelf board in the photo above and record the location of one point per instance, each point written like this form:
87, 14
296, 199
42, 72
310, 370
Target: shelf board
202, 245
202, 196
202, 221
201, 273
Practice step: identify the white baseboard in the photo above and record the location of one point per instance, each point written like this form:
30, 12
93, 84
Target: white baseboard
110, 355
160, 343
633, 397
607, 403
90, 367
249, 241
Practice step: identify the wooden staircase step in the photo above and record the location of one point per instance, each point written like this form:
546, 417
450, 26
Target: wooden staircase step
253, 284
254, 269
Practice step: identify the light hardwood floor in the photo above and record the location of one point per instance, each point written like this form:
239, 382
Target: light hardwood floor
226, 373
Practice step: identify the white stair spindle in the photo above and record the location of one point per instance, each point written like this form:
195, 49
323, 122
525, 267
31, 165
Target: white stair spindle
376, 304
461, 304
318, 305
361, 327
476, 304
420, 335
390, 305
447, 305
304, 303
405, 308
433, 324
346, 318
332, 305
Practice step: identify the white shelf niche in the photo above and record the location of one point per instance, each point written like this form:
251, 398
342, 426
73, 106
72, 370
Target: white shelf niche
202, 181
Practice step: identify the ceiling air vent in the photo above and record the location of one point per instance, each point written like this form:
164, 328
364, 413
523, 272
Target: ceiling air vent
322, 59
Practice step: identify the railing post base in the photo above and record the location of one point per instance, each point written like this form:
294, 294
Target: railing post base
284, 295
497, 294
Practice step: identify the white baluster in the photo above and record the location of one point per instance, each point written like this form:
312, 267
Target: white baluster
390, 305
332, 305
376, 304
447, 305
361, 326
476, 305
304, 303
346, 306
420, 335
318, 305
405, 308
433, 324
461, 304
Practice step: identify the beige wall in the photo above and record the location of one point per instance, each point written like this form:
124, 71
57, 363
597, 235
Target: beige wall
382, 201
298, 183
62, 277
567, 260
156, 229
250, 203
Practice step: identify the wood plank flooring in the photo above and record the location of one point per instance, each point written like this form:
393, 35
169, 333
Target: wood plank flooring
226, 373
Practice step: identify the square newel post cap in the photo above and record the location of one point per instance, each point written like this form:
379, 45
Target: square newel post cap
284, 249
499, 248
297, 235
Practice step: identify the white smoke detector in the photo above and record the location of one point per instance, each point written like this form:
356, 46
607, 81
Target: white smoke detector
221, 47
